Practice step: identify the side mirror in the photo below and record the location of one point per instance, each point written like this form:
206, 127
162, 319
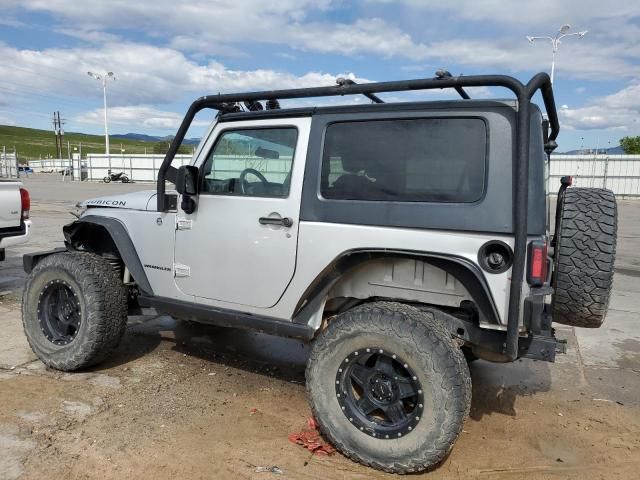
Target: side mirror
187, 186
187, 180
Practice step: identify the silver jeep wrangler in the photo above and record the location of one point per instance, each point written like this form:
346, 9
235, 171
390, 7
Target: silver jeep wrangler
402, 240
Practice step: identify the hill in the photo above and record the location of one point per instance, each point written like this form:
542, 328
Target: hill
33, 144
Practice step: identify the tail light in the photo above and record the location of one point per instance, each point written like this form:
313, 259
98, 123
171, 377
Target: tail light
538, 263
25, 200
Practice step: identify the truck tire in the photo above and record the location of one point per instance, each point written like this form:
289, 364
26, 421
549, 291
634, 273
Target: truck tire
389, 387
74, 310
584, 257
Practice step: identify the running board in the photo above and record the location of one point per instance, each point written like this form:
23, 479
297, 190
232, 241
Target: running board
226, 318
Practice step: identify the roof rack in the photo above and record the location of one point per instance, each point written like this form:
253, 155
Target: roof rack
540, 82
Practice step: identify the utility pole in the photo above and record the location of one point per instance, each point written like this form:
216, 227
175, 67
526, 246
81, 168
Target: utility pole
59, 133
61, 130
56, 133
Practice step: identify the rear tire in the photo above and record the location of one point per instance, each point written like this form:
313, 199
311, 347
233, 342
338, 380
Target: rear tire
422, 350
584, 258
125, 179
95, 297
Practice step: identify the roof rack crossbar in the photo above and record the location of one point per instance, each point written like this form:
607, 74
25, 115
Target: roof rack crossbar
441, 74
370, 95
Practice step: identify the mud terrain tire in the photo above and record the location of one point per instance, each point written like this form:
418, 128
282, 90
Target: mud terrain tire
584, 258
432, 357
100, 298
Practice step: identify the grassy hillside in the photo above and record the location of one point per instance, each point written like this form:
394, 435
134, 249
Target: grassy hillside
32, 144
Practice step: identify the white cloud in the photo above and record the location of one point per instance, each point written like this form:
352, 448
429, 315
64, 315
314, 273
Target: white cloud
145, 74
619, 111
547, 14
10, 22
140, 116
7, 120
89, 36
221, 28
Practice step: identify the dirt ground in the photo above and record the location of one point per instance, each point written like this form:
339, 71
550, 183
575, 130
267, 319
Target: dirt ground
180, 400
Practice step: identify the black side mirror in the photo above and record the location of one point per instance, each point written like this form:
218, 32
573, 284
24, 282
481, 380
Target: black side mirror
187, 180
187, 186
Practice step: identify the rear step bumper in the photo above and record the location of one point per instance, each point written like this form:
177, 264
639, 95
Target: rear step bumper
541, 344
542, 347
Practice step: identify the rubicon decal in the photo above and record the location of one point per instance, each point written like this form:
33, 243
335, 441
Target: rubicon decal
108, 203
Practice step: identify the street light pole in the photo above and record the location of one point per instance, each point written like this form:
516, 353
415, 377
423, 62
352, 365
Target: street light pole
103, 79
556, 41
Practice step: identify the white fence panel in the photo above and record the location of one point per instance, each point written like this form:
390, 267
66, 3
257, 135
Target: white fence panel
619, 173
49, 165
139, 168
8, 165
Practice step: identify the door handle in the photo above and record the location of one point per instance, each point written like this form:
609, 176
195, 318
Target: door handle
285, 221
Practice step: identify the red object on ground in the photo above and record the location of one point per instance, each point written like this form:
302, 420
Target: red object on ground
311, 439
312, 424
253, 411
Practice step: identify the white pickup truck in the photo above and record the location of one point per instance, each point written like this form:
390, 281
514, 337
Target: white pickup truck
14, 214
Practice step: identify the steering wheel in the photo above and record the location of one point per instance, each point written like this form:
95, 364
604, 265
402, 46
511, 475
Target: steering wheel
243, 181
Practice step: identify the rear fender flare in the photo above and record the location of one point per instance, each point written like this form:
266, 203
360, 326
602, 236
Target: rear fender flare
468, 273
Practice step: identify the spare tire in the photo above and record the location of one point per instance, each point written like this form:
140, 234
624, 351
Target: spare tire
584, 254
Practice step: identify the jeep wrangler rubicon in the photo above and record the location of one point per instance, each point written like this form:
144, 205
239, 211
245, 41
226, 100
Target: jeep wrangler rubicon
397, 238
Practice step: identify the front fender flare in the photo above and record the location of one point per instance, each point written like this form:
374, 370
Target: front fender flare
121, 239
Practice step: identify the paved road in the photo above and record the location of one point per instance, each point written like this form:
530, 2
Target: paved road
174, 399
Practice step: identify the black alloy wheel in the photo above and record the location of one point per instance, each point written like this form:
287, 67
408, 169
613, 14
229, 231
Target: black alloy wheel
379, 393
59, 312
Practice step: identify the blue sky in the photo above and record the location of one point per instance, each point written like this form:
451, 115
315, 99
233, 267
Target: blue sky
166, 53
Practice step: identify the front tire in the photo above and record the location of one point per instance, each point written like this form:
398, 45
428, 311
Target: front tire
74, 310
407, 391
106, 179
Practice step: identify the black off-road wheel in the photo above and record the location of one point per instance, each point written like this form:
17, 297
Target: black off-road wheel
74, 310
389, 387
584, 257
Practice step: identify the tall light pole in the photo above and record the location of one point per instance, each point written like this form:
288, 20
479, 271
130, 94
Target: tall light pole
555, 42
103, 78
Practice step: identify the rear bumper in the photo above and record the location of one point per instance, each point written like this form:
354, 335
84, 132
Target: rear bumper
8, 238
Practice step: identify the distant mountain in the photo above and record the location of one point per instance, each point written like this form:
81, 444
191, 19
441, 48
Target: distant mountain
141, 137
602, 151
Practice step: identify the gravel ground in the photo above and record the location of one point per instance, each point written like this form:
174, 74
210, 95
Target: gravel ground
179, 400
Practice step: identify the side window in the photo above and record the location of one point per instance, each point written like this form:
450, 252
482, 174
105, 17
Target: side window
251, 162
405, 160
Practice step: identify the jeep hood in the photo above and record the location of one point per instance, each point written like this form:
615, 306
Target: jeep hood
144, 200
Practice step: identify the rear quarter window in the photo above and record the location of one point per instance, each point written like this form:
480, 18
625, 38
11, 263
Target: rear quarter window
405, 160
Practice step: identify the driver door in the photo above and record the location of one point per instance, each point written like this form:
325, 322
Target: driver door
239, 246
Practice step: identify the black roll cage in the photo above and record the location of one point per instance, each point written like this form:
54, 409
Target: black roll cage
524, 93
